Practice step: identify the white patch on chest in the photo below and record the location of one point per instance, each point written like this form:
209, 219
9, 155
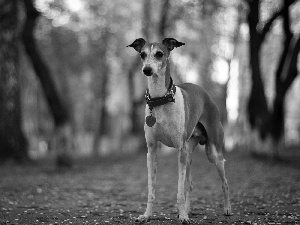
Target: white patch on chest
170, 121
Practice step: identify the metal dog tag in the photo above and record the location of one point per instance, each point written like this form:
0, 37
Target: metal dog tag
150, 121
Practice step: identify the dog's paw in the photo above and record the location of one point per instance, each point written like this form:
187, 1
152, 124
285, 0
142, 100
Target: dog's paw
184, 219
142, 218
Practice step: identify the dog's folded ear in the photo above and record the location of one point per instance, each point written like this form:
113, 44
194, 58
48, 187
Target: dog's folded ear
138, 44
171, 43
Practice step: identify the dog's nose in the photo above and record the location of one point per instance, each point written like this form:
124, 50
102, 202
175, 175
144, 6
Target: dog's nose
147, 71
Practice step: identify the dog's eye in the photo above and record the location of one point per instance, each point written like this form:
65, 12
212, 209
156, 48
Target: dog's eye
143, 55
158, 55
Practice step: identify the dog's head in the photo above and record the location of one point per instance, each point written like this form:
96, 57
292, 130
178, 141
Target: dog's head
155, 55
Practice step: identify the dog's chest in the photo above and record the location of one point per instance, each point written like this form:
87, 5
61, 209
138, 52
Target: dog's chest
170, 121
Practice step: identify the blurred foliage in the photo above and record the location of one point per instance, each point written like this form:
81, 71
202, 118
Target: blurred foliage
84, 43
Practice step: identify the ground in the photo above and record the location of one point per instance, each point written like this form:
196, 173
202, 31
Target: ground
113, 190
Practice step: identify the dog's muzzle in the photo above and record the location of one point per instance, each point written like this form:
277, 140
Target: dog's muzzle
147, 71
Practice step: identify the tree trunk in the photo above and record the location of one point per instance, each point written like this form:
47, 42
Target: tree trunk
102, 124
164, 22
286, 74
257, 105
230, 60
137, 127
58, 109
62, 133
13, 143
276, 121
270, 122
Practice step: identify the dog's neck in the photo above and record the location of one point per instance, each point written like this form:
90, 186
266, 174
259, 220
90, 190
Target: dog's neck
158, 84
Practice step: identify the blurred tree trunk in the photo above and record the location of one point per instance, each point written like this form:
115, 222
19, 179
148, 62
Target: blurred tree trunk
208, 37
137, 127
56, 105
103, 117
229, 59
102, 124
59, 111
270, 122
257, 106
60, 79
164, 20
13, 143
285, 75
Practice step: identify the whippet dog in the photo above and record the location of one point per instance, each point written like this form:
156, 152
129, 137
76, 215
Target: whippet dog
180, 116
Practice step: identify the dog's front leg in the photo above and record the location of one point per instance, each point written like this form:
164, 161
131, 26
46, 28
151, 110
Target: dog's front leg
152, 169
182, 164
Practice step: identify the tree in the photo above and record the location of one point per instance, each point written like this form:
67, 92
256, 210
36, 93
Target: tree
102, 93
13, 143
137, 127
58, 110
270, 121
164, 22
13, 140
57, 107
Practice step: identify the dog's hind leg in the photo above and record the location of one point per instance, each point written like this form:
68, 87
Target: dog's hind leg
217, 158
188, 184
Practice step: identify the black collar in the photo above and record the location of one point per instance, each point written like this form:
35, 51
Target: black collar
169, 97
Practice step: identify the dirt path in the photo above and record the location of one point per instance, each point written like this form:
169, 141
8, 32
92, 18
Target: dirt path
114, 191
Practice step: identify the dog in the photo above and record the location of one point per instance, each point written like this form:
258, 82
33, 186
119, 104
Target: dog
182, 117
